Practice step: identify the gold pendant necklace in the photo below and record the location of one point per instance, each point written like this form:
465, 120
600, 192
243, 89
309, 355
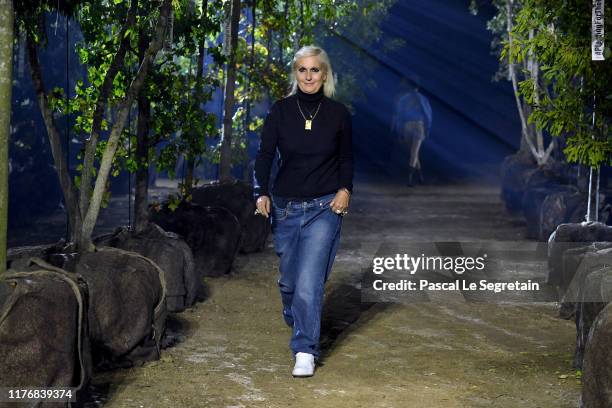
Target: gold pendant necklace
308, 122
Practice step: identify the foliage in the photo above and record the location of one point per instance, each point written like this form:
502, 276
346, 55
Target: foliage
179, 123
281, 28
177, 93
527, 71
177, 89
562, 45
556, 34
106, 92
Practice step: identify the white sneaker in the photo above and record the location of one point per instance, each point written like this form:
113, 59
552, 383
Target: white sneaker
304, 365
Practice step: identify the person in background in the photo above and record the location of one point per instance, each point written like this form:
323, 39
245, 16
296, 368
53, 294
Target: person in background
411, 124
310, 195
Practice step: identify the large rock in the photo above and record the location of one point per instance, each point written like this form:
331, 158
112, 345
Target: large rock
127, 313
171, 254
520, 174
551, 174
539, 183
43, 329
596, 293
585, 270
558, 208
569, 236
237, 197
534, 210
597, 365
212, 233
576, 259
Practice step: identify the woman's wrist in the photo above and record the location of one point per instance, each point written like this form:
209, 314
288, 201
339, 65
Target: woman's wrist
346, 190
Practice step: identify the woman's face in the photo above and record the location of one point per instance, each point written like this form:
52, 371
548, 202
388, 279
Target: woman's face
309, 74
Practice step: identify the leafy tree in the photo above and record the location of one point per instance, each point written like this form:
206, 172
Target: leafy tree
266, 37
170, 103
579, 104
6, 81
119, 50
519, 72
558, 34
545, 45
562, 92
103, 71
275, 30
176, 93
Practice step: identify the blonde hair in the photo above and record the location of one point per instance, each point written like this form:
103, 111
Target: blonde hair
329, 85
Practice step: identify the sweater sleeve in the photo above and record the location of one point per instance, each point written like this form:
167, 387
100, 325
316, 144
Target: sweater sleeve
265, 153
346, 152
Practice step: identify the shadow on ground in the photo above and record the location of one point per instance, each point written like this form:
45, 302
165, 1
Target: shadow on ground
343, 313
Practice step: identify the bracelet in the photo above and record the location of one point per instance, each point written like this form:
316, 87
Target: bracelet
345, 189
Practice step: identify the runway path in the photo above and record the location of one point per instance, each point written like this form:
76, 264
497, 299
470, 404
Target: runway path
446, 353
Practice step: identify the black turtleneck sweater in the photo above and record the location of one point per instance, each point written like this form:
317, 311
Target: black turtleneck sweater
312, 162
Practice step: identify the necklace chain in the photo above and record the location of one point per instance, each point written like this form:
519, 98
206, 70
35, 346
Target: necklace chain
311, 115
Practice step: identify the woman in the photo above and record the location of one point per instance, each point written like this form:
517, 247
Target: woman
411, 124
310, 195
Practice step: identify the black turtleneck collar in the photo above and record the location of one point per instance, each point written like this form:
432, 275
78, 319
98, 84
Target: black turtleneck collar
306, 97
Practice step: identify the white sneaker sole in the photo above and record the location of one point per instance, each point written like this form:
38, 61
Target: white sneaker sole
302, 375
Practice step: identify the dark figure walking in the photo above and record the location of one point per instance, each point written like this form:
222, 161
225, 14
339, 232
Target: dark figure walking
411, 124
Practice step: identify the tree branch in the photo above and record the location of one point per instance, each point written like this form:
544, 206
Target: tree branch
519, 105
107, 84
548, 151
57, 151
121, 117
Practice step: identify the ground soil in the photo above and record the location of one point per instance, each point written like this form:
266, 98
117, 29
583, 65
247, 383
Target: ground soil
232, 349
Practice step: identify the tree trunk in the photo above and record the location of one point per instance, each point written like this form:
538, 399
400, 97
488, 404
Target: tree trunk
225, 165
593, 200
141, 195
250, 67
283, 35
6, 83
190, 167
532, 140
299, 42
199, 95
526, 142
57, 151
89, 222
107, 85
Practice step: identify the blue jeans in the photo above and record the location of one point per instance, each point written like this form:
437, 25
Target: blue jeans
306, 236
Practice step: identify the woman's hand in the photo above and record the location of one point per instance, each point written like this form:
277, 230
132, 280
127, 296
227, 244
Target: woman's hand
263, 206
340, 203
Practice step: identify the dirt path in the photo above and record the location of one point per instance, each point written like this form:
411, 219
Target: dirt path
233, 348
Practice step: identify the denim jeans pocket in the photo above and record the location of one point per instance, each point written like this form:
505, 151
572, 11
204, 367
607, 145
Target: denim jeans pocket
279, 213
326, 203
